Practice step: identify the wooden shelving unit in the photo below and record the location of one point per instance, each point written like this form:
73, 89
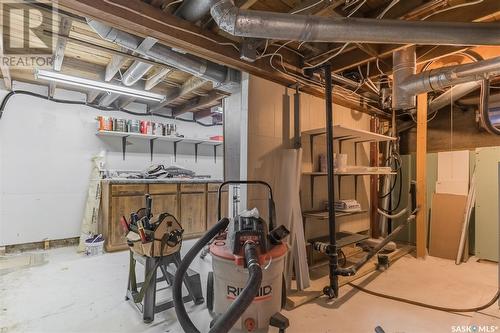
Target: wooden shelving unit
153, 138
342, 134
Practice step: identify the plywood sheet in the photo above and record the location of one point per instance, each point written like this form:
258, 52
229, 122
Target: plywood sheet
446, 224
458, 187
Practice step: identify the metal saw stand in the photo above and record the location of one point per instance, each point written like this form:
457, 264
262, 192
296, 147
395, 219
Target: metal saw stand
148, 306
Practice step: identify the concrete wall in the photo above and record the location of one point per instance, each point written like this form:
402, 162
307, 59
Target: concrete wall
265, 136
45, 161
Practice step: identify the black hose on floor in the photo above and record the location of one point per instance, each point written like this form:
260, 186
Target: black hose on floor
180, 310
225, 322
424, 305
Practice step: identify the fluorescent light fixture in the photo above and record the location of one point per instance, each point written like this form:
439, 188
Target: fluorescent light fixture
41, 74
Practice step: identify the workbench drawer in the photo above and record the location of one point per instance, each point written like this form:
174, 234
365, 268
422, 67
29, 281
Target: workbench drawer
214, 187
162, 188
129, 189
193, 188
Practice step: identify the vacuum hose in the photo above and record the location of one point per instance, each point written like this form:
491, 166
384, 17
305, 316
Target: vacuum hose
225, 322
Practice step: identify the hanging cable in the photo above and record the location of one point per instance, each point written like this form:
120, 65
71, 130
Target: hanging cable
452, 7
429, 306
7, 97
307, 8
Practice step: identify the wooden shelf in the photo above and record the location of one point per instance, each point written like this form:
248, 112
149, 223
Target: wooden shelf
323, 214
158, 137
351, 173
350, 134
154, 138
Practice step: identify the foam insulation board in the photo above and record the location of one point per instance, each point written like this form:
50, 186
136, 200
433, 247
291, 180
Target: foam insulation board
453, 172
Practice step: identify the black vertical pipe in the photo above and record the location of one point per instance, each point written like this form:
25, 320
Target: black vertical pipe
333, 257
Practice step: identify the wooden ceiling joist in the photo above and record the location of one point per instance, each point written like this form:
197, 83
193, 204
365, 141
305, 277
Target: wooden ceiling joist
189, 86
156, 78
211, 99
62, 40
141, 19
92, 96
114, 66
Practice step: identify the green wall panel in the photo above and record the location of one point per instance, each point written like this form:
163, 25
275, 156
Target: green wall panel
486, 222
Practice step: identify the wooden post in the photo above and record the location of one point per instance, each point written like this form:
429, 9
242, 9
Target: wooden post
421, 237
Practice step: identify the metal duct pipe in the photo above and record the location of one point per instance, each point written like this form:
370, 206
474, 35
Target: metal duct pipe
194, 10
161, 53
444, 99
455, 92
405, 65
135, 72
281, 26
108, 98
437, 79
407, 85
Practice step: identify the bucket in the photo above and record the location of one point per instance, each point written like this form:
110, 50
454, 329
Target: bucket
134, 126
146, 127
105, 123
120, 125
157, 129
94, 245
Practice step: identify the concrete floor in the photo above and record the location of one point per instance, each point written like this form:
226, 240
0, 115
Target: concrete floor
73, 293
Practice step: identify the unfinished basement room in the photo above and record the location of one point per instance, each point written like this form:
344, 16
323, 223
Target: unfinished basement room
250, 166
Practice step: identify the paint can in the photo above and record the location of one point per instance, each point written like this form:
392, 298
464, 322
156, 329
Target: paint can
157, 129
134, 126
120, 125
146, 127
105, 123
171, 129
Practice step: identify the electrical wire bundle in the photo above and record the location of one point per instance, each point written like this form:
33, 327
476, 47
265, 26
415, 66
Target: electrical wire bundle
7, 97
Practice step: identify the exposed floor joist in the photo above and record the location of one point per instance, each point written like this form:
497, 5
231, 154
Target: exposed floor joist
157, 77
198, 103
189, 86
144, 20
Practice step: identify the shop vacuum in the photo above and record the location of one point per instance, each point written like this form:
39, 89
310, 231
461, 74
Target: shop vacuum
246, 290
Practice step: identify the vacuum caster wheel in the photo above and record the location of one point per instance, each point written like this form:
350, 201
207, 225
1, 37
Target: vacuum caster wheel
329, 292
210, 292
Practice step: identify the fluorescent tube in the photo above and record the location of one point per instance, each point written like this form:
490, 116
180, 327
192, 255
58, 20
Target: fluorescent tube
41, 74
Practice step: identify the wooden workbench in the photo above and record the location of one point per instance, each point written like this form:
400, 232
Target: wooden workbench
192, 201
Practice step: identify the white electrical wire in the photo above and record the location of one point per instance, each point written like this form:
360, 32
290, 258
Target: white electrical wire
171, 4
357, 8
452, 7
329, 58
388, 8
307, 8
